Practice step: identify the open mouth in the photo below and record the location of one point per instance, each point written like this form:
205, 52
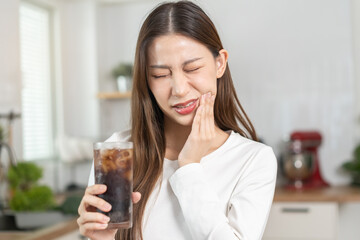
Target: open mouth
186, 107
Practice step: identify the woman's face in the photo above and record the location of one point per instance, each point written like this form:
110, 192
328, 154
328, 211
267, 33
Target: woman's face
182, 69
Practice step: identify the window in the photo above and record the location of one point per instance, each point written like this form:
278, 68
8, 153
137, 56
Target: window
37, 100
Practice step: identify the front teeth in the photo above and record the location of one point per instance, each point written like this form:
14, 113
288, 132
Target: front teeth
186, 105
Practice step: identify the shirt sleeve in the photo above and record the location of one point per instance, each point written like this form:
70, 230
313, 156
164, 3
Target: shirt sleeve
248, 207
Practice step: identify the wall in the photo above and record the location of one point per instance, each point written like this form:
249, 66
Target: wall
355, 14
10, 82
79, 67
291, 61
294, 71
349, 213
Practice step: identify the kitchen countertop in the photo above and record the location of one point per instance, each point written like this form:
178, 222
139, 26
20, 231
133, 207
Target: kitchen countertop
47, 233
340, 194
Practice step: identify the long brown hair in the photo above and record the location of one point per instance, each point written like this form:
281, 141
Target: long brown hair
147, 120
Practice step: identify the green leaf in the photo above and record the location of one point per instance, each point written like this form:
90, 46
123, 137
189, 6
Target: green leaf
19, 202
24, 175
41, 198
38, 198
352, 166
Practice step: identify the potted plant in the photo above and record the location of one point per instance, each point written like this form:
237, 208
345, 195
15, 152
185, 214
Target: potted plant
353, 166
123, 73
33, 204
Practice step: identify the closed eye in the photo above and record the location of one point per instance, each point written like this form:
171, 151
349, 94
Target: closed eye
159, 76
192, 70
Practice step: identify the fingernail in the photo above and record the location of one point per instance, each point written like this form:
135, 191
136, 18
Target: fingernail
213, 97
104, 225
106, 218
102, 187
208, 94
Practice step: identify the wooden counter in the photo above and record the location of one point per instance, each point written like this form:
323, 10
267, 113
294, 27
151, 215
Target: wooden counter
47, 233
340, 194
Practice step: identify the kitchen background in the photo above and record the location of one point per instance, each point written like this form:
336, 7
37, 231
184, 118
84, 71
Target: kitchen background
295, 65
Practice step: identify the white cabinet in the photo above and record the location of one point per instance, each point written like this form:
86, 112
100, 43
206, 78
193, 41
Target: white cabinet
302, 221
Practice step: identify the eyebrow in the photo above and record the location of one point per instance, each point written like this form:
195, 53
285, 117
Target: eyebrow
191, 60
167, 67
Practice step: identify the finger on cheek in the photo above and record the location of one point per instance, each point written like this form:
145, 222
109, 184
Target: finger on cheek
209, 105
204, 99
209, 117
196, 121
203, 121
199, 114
212, 104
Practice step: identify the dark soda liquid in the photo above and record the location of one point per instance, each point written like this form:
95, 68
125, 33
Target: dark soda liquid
113, 167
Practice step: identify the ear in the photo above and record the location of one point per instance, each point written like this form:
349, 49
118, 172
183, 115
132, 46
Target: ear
221, 62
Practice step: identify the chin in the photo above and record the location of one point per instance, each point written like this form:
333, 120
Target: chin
186, 124
185, 121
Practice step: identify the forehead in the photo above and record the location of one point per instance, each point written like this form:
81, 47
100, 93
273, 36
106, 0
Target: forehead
174, 48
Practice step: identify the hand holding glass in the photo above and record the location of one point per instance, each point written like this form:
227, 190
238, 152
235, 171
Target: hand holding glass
113, 164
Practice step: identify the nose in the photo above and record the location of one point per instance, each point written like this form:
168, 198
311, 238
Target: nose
180, 85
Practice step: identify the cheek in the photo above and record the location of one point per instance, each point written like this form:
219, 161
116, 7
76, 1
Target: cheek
160, 91
205, 82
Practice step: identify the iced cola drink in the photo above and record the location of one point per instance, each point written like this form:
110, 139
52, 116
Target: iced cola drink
114, 168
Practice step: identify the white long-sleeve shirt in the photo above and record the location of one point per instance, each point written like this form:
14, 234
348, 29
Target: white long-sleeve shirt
226, 196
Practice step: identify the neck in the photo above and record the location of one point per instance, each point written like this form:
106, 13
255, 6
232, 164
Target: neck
176, 136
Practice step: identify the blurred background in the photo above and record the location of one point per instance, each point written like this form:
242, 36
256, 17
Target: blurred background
295, 65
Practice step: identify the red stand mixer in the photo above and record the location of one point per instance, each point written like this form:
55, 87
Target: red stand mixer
301, 162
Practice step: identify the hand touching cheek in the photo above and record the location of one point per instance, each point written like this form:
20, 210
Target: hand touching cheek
202, 132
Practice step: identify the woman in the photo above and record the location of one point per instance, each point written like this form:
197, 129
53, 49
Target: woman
197, 165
